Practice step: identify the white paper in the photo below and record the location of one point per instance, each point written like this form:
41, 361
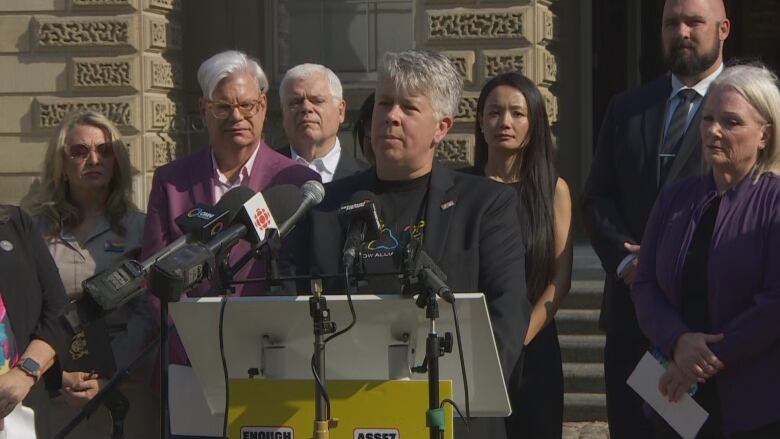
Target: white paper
189, 412
686, 416
19, 424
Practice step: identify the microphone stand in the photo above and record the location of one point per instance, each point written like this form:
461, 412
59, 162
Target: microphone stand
320, 314
109, 395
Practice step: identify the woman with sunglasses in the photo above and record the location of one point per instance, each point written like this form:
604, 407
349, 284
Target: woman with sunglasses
89, 221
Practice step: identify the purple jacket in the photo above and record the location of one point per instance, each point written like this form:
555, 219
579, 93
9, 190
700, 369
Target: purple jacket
744, 288
183, 183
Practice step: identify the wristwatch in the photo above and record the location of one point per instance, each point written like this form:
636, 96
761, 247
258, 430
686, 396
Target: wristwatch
30, 367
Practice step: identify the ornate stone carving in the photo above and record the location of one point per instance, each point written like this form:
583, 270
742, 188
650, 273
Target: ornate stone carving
164, 5
164, 35
457, 150
467, 107
547, 27
164, 114
462, 23
164, 74
500, 61
94, 73
549, 73
464, 61
100, 3
50, 114
164, 149
550, 103
68, 32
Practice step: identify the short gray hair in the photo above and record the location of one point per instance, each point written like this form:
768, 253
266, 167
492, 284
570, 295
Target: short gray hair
428, 73
305, 71
227, 63
759, 86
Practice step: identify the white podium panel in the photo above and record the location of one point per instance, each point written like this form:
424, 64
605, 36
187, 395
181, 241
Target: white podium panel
274, 335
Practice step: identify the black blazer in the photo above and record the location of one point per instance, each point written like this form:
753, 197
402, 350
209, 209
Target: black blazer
347, 165
31, 287
472, 233
623, 185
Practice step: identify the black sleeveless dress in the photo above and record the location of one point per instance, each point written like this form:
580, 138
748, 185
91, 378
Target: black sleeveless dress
536, 385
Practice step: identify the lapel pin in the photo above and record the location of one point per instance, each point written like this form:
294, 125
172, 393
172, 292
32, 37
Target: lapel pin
447, 204
6, 245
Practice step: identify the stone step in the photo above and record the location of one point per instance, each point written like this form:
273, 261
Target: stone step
584, 407
577, 321
583, 377
587, 272
582, 348
584, 294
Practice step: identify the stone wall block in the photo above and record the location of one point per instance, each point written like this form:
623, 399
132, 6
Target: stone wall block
163, 5
550, 103
49, 112
163, 114
162, 34
160, 148
546, 26
506, 60
162, 74
479, 24
88, 74
464, 61
546, 68
83, 33
102, 5
467, 107
456, 150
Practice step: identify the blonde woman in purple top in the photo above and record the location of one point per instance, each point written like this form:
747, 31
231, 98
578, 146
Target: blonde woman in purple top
707, 292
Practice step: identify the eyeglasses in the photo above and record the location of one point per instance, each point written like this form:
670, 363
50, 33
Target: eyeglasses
223, 110
80, 151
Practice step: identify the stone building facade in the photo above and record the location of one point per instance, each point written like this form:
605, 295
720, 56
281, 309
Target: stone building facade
135, 60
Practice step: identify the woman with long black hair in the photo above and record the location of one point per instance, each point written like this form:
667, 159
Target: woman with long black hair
514, 146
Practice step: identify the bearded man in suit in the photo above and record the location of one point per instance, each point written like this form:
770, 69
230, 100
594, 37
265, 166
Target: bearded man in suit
649, 139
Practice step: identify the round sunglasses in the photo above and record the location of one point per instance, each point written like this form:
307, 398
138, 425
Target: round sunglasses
80, 151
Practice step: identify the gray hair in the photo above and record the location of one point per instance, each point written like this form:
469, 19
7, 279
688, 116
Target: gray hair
306, 71
227, 63
428, 73
759, 86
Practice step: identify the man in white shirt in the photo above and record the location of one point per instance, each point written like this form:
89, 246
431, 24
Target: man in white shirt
312, 110
649, 139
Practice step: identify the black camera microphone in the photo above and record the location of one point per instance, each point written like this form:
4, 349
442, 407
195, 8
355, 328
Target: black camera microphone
360, 218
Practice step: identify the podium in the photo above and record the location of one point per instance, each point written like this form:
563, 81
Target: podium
270, 337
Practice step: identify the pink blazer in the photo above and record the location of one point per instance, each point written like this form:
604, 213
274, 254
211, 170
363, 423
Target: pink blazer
183, 183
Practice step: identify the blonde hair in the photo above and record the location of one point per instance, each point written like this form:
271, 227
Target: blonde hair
54, 203
759, 86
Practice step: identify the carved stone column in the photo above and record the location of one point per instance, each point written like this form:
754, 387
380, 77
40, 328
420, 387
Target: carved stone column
119, 57
485, 41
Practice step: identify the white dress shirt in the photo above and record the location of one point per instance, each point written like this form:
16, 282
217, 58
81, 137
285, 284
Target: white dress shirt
325, 165
221, 182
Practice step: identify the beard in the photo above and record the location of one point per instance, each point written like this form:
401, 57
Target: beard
691, 62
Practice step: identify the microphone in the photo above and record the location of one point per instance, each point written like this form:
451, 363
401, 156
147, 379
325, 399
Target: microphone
312, 193
111, 288
263, 210
360, 218
423, 276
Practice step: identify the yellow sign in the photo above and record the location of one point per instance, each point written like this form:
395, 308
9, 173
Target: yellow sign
284, 409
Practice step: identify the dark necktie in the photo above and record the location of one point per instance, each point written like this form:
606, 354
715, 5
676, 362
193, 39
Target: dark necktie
675, 132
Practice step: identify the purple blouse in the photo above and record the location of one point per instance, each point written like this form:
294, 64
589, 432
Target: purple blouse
744, 288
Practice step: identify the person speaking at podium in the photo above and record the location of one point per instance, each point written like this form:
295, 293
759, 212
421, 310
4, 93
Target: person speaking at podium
468, 225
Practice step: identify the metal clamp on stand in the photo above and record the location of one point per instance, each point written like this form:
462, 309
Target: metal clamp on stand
320, 314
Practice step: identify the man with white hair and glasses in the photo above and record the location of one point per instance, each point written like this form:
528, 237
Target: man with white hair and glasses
233, 109
312, 110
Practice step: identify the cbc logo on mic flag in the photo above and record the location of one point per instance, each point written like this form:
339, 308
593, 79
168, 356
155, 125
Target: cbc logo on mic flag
262, 218
260, 214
